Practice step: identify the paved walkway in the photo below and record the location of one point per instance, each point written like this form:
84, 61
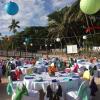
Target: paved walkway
4, 96
97, 97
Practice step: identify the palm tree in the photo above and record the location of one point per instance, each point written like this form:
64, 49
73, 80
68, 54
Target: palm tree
57, 23
70, 18
14, 25
60, 21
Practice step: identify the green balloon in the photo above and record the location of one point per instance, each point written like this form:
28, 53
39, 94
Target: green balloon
98, 4
89, 6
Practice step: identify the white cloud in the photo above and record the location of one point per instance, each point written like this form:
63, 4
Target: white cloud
31, 13
61, 3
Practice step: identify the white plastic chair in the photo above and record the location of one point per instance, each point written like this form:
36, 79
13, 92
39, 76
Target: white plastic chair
82, 92
33, 95
54, 87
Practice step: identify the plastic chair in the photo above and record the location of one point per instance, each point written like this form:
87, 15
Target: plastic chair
83, 92
53, 90
32, 95
23, 94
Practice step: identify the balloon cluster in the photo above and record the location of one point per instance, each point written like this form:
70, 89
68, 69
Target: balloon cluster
90, 6
11, 8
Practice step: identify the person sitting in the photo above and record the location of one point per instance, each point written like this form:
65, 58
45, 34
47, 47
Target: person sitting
75, 69
33, 61
68, 68
52, 69
18, 73
0, 70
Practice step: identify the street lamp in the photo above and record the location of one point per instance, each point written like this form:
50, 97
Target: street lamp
25, 48
46, 47
59, 40
31, 44
50, 45
1, 38
24, 43
84, 39
40, 47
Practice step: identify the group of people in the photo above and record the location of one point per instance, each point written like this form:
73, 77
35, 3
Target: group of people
2, 68
55, 66
8, 64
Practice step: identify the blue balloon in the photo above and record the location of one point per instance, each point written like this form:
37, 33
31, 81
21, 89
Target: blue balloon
11, 8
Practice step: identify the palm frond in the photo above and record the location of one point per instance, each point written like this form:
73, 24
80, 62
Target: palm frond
17, 26
17, 22
14, 25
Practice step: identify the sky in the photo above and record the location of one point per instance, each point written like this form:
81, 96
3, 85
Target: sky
31, 13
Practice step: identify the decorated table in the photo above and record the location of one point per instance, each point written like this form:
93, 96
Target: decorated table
41, 81
26, 69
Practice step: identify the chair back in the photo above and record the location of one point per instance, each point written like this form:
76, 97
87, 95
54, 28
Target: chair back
20, 92
54, 94
75, 69
9, 88
84, 91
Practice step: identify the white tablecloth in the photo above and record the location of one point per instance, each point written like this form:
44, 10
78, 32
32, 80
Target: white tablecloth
26, 69
65, 84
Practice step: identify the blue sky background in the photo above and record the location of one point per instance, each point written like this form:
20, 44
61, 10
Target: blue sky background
31, 13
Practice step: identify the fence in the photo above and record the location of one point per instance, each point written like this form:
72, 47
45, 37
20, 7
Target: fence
18, 54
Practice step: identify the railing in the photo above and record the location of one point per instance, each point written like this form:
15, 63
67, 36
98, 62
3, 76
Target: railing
18, 54
40, 54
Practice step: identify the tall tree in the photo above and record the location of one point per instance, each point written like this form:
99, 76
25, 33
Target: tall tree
14, 25
71, 22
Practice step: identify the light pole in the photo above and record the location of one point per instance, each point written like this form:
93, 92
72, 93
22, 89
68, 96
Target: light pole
50, 48
40, 47
25, 48
46, 47
59, 40
1, 43
31, 44
1, 40
26, 43
84, 42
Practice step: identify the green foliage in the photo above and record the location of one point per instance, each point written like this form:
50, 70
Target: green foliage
35, 35
68, 23
71, 23
14, 25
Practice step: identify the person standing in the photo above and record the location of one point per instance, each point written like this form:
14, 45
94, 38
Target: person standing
0, 70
